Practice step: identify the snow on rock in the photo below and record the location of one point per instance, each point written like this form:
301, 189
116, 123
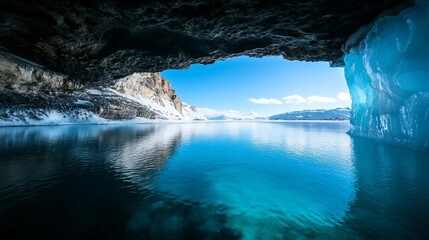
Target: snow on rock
49, 117
82, 102
154, 91
140, 97
94, 91
191, 112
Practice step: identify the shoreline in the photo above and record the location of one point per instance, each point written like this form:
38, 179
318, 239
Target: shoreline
5, 124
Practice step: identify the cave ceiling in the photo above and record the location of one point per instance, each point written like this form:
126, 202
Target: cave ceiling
104, 40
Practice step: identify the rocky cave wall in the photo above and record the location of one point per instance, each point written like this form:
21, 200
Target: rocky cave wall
99, 41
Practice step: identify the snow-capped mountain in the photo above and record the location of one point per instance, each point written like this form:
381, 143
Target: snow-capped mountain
155, 92
137, 97
318, 114
214, 114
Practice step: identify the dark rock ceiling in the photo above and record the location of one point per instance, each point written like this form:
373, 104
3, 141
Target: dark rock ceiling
103, 40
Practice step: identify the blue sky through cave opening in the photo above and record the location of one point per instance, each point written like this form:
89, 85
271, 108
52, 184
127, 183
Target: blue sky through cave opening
264, 86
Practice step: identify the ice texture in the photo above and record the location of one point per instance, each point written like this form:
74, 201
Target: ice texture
388, 78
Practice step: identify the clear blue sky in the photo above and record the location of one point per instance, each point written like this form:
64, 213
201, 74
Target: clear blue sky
268, 85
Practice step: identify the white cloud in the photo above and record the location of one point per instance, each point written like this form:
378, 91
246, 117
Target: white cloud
344, 97
294, 99
321, 99
341, 97
265, 101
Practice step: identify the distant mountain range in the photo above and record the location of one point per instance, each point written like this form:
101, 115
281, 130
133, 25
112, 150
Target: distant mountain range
319, 114
214, 114
225, 117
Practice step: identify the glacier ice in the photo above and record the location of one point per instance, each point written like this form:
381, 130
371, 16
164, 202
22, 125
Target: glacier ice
388, 79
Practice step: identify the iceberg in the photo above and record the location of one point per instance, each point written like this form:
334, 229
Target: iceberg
388, 78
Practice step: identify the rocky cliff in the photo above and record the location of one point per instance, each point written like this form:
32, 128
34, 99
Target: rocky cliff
30, 94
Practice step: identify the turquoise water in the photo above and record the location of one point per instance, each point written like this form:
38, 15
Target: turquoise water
216, 180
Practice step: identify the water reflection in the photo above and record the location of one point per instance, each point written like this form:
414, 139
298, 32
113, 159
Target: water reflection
73, 182
229, 180
38, 154
392, 199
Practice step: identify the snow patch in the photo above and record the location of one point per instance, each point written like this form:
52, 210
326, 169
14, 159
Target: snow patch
82, 102
49, 117
94, 91
167, 111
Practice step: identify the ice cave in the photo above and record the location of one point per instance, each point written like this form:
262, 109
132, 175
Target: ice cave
95, 142
48, 48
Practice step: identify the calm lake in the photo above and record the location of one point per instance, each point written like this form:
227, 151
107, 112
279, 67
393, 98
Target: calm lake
209, 180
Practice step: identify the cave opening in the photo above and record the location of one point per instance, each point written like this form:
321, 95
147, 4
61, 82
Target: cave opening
259, 88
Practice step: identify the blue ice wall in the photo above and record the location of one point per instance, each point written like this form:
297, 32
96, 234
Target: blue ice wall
388, 78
